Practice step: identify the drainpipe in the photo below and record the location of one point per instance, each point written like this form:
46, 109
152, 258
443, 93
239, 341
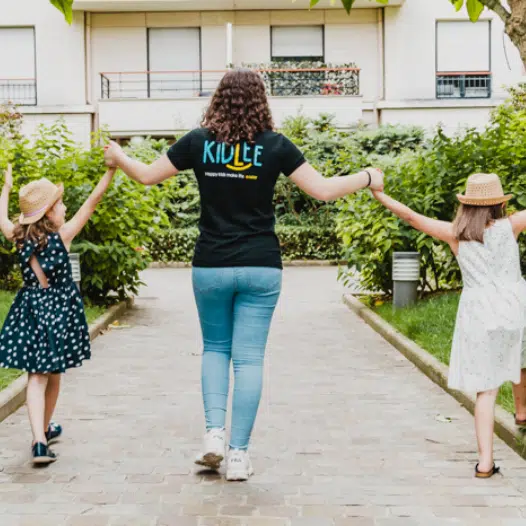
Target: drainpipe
229, 47
380, 95
88, 68
87, 56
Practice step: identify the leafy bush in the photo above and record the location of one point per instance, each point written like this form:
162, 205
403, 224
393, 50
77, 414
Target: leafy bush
297, 243
180, 199
428, 180
126, 218
389, 139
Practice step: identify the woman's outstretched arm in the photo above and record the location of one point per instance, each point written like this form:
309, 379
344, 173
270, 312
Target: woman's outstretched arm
147, 174
330, 188
433, 227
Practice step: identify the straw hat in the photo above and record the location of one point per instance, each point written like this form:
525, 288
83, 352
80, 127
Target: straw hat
484, 190
36, 198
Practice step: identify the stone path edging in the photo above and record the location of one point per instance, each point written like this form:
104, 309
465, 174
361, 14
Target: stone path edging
13, 396
438, 372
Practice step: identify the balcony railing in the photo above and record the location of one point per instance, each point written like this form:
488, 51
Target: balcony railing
22, 92
187, 84
457, 85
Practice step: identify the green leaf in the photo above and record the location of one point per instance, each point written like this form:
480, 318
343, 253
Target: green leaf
347, 4
475, 9
313, 3
65, 7
458, 4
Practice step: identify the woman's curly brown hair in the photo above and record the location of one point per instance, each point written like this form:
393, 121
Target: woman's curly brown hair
37, 233
239, 109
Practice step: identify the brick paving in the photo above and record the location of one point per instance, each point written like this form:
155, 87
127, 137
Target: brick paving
347, 433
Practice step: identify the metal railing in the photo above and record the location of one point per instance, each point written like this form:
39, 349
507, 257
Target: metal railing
458, 85
22, 92
201, 83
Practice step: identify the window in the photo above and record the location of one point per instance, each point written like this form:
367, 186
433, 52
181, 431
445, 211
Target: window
17, 67
463, 59
297, 43
175, 53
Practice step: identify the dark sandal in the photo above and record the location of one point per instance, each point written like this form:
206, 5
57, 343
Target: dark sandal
53, 433
486, 474
42, 455
520, 423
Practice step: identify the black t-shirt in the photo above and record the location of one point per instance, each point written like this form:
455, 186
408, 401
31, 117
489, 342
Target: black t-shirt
236, 184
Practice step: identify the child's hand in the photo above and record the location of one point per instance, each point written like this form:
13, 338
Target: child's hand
8, 174
112, 152
377, 193
377, 179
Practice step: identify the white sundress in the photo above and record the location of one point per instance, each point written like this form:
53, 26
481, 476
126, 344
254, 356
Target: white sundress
488, 338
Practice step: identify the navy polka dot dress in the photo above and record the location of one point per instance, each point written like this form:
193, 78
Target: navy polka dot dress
45, 330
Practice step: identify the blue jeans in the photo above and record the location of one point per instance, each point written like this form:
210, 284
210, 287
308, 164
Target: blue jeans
235, 306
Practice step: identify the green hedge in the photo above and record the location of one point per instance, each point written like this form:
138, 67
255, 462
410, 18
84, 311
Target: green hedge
297, 243
428, 180
110, 244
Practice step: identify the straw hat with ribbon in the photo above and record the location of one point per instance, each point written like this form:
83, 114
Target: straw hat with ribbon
484, 190
37, 198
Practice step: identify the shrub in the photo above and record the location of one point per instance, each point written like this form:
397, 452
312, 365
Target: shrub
180, 198
428, 180
126, 218
390, 139
297, 243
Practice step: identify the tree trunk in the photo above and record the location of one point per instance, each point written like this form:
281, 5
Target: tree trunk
516, 26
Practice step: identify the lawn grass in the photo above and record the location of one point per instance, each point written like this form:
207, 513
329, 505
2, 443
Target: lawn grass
6, 298
430, 323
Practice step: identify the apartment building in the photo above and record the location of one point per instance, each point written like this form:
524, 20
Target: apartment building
148, 67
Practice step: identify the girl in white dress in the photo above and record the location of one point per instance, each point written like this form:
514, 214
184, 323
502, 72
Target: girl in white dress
487, 342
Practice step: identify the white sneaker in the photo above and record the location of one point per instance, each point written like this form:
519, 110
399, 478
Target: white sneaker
239, 466
213, 449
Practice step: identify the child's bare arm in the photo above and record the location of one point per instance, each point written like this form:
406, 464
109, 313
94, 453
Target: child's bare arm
433, 227
72, 228
518, 222
6, 226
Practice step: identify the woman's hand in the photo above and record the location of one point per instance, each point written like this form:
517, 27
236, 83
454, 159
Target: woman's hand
377, 179
8, 177
112, 154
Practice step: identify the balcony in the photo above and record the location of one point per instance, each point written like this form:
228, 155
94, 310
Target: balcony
215, 5
161, 102
458, 85
22, 92
300, 82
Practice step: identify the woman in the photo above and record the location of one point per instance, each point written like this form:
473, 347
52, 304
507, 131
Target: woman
237, 158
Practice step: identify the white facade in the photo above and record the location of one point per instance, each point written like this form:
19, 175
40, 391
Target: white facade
400, 50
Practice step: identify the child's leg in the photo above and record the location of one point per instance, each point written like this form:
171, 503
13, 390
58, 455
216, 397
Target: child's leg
484, 423
36, 405
52, 392
519, 394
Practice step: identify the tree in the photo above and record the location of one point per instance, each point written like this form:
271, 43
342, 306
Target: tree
511, 12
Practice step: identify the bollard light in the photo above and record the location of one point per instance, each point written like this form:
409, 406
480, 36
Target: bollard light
75, 268
406, 277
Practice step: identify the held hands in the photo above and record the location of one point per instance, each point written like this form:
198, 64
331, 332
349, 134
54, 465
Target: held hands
8, 177
377, 179
112, 153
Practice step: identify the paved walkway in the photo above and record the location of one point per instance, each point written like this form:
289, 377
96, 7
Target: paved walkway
347, 434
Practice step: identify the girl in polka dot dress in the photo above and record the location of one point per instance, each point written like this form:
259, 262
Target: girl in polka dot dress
45, 332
